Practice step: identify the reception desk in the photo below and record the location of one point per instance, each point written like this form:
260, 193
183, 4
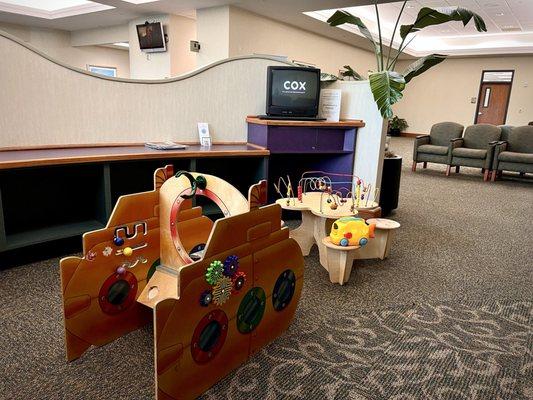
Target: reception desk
48, 194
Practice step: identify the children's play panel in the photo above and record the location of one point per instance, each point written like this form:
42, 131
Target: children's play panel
216, 291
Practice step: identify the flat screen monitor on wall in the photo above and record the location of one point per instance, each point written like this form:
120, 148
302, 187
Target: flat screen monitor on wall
151, 37
293, 91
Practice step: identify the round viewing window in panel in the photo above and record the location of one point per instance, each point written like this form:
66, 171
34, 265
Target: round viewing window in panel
209, 336
251, 310
118, 293
284, 290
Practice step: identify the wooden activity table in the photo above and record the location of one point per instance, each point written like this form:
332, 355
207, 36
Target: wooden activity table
317, 218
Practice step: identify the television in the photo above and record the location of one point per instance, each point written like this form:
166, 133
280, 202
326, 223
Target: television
292, 91
151, 37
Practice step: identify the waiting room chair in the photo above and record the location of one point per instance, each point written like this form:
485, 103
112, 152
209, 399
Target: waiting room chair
475, 148
515, 153
435, 147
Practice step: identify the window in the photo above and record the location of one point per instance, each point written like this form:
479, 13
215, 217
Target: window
106, 71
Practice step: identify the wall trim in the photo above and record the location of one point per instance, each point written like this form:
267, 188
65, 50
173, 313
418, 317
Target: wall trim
411, 134
144, 81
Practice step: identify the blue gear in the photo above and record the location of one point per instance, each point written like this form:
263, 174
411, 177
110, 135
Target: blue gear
206, 298
231, 265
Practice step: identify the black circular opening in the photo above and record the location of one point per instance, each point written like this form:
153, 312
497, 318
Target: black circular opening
118, 292
283, 290
251, 310
209, 336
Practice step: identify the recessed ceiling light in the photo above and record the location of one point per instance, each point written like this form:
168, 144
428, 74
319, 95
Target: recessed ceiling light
122, 44
48, 5
500, 14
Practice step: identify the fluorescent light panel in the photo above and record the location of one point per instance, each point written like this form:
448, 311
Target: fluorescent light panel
139, 1
48, 5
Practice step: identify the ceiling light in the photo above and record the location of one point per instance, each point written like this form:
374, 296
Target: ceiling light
49, 5
122, 44
500, 14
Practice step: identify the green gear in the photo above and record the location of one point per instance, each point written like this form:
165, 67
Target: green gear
214, 272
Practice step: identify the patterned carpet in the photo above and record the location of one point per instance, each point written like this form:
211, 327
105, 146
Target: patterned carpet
447, 316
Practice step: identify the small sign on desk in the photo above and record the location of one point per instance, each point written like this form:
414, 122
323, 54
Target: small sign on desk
203, 134
330, 104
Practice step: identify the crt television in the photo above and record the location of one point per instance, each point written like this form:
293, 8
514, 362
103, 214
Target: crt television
151, 37
292, 91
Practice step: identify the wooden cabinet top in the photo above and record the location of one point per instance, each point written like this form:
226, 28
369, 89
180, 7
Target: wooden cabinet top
347, 123
76, 155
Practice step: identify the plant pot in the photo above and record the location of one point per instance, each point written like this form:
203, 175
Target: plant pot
390, 184
394, 132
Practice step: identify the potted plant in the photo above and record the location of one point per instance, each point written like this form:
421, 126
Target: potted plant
397, 125
385, 85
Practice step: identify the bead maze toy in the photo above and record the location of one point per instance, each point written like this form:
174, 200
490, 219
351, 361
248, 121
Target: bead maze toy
216, 291
323, 197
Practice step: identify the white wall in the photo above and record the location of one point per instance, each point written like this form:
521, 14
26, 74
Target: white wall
251, 33
57, 44
444, 92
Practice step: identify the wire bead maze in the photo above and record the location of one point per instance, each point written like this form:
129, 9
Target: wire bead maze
342, 190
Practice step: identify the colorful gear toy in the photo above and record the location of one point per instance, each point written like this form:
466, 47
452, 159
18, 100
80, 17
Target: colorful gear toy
214, 272
231, 265
206, 298
238, 281
222, 290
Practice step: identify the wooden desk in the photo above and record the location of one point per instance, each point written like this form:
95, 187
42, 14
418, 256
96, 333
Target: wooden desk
55, 193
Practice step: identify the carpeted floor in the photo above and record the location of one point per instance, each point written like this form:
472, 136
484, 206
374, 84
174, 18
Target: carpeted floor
447, 316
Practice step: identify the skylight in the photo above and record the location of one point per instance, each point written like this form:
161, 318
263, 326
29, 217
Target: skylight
48, 5
51, 9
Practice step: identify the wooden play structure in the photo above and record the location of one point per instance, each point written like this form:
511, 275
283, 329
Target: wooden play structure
216, 291
324, 197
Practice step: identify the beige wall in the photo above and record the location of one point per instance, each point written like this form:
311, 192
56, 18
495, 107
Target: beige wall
251, 33
181, 31
56, 43
444, 92
212, 27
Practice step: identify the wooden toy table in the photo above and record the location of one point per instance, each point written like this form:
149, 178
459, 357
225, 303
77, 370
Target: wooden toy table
316, 225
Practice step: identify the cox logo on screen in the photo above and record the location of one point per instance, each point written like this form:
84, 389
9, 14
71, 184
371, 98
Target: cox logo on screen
294, 85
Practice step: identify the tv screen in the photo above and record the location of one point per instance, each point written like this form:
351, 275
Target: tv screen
293, 91
151, 37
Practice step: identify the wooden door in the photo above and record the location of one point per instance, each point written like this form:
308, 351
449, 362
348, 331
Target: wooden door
493, 102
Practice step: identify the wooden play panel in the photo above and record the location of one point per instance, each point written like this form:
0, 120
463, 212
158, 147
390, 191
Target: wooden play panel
217, 292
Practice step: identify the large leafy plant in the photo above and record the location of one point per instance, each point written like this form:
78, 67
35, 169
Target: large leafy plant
386, 84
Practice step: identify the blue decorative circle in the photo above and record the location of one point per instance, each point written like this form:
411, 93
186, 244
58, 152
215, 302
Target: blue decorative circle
363, 241
344, 242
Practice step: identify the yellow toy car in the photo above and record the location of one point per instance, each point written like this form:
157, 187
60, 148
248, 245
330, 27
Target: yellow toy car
351, 231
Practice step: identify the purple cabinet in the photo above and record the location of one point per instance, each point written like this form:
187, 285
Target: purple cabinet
296, 147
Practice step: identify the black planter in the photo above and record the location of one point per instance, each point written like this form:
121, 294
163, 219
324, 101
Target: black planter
390, 184
394, 132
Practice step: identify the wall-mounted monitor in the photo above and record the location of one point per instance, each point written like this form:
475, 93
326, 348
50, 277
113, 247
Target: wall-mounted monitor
293, 91
151, 37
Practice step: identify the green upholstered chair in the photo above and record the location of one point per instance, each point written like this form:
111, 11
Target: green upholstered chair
435, 147
515, 152
475, 148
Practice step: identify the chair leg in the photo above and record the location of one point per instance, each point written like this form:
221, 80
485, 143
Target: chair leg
413, 168
486, 175
457, 169
482, 170
493, 175
522, 173
448, 170
425, 165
